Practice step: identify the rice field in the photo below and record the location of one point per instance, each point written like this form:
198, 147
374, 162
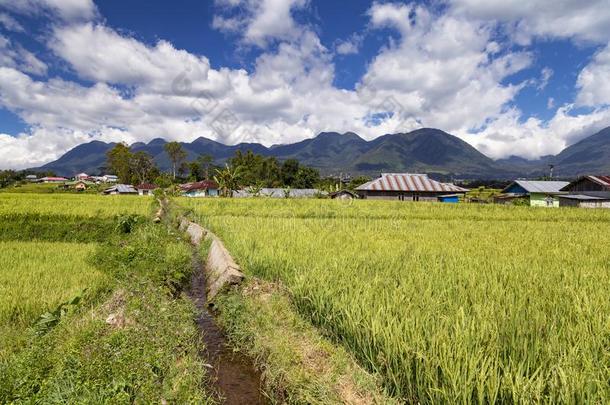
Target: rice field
73, 204
449, 303
35, 277
43, 261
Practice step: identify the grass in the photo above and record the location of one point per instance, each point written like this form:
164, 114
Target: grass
66, 218
36, 278
79, 205
299, 365
458, 303
51, 188
131, 339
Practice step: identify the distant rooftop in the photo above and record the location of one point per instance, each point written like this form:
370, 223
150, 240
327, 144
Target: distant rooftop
408, 182
539, 186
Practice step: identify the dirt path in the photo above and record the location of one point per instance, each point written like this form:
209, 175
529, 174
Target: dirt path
234, 377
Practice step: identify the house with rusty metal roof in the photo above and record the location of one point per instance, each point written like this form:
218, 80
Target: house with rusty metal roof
205, 188
589, 184
407, 187
536, 193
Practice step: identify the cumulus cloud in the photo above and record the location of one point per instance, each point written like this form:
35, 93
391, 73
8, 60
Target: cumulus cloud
9, 23
594, 80
349, 46
98, 53
587, 21
445, 69
66, 10
545, 76
533, 137
14, 55
259, 22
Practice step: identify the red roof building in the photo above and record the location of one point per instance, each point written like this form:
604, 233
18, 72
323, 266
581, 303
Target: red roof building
53, 179
146, 188
206, 188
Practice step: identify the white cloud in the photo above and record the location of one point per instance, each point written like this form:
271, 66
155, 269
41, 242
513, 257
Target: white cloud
349, 46
508, 135
545, 76
574, 19
10, 23
260, 21
66, 10
444, 71
12, 55
98, 53
441, 70
594, 80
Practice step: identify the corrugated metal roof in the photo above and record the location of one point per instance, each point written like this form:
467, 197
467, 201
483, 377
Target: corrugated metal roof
583, 197
603, 180
121, 189
281, 192
200, 185
541, 186
408, 182
125, 189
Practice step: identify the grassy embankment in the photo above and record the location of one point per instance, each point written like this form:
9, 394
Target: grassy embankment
130, 337
448, 303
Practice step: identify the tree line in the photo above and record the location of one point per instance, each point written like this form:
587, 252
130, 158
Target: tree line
243, 169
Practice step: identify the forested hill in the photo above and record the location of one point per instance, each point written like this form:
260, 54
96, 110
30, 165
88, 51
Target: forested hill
424, 150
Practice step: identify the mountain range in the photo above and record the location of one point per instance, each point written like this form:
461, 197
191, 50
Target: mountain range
425, 150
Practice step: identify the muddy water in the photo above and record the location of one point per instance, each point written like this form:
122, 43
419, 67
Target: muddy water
234, 377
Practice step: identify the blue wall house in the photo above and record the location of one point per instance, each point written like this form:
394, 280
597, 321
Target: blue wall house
536, 193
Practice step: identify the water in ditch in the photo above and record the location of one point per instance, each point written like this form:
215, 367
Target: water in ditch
234, 377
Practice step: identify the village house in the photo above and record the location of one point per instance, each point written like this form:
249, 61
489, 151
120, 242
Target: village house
53, 179
535, 193
587, 192
80, 185
82, 177
206, 188
31, 178
121, 189
110, 178
408, 187
146, 188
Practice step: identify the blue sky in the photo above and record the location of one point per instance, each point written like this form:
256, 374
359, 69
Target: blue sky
511, 78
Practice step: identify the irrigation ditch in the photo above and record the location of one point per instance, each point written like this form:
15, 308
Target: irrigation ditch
281, 357
234, 378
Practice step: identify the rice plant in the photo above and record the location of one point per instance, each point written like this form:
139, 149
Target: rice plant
73, 204
450, 304
35, 277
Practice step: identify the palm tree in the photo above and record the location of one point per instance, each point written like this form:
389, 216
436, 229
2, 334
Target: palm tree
228, 179
176, 154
